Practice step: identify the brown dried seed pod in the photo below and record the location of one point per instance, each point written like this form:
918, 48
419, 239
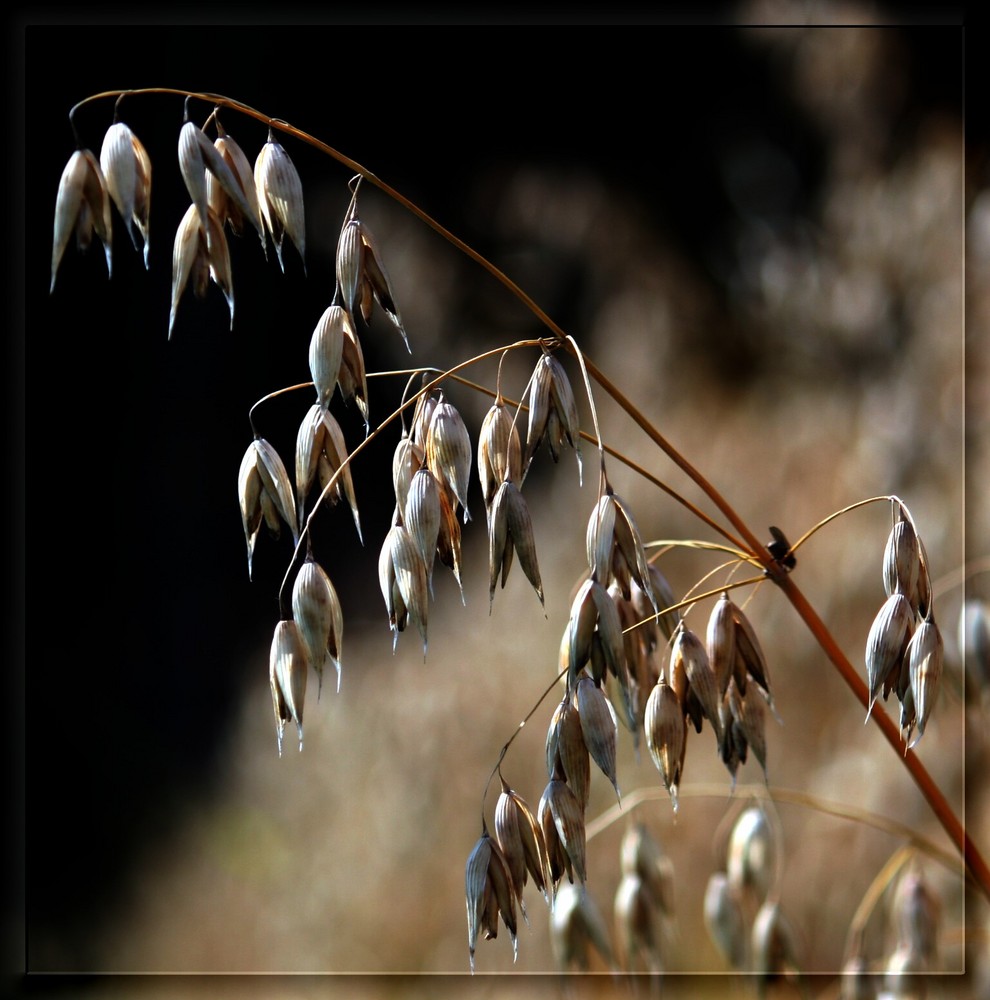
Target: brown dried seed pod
126, 169
752, 855
421, 517
318, 615
576, 926
924, 657
559, 860
688, 652
901, 560
720, 641
288, 666
750, 654
199, 254
326, 348
553, 412
886, 644
280, 198
448, 451
724, 920
666, 736
567, 752
510, 528
593, 611
82, 206
488, 893
520, 837
568, 819
598, 727
402, 575
263, 488
499, 451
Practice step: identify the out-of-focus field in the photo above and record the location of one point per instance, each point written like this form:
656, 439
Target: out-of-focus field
828, 361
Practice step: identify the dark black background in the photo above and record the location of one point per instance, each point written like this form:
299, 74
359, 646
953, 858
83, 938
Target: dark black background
141, 630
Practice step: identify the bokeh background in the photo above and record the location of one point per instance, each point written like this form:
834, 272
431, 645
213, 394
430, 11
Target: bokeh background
765, 235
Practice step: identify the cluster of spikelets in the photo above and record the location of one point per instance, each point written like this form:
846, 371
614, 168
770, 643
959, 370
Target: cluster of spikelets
911, 919
904, 650
741, 908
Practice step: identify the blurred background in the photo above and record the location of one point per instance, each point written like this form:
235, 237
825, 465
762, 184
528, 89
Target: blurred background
758, 233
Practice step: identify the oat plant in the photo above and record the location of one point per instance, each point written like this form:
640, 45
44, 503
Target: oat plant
637, 662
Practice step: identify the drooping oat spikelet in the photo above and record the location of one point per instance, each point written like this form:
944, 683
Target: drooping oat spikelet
688, 654
593, 613
901, 560
568, 820
320, 452
615, 548
318, 615
199, 254
352, 378
720, 642
419, 429
577, 926
361, 273
449, 541
234, 211
499, 451
422, 515
82, 206
553, 414
265, 494
636, 926
666, 735
752, 855
641, 855
725, 921
664, 595
288, 665
489, 893
127, 170
326, 348
520, 837
924, 658
886, 645
510, 529
406, 461
448, 451
402, 576
750, 661
280, 198
566, 750
598, 727
559, 859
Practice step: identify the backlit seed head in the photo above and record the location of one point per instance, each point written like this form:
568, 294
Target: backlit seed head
81, 207
568, 820
720, 642
126, 168
594, 614
320, 452
752, 855
499, 451
553, 414
489, 893
351, 377
402, 576
449, 541
924, 657
520, 837
318, 615
688, 654
901, 560
406, 461
598, 727
288, 666
448, 451
422, 515
724, 920
200, 253
615, 548
567, 751
243, 206
510, 529
264, 493
326, 349
419, 429
280, 198
361, 272
666, 736
886, 645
